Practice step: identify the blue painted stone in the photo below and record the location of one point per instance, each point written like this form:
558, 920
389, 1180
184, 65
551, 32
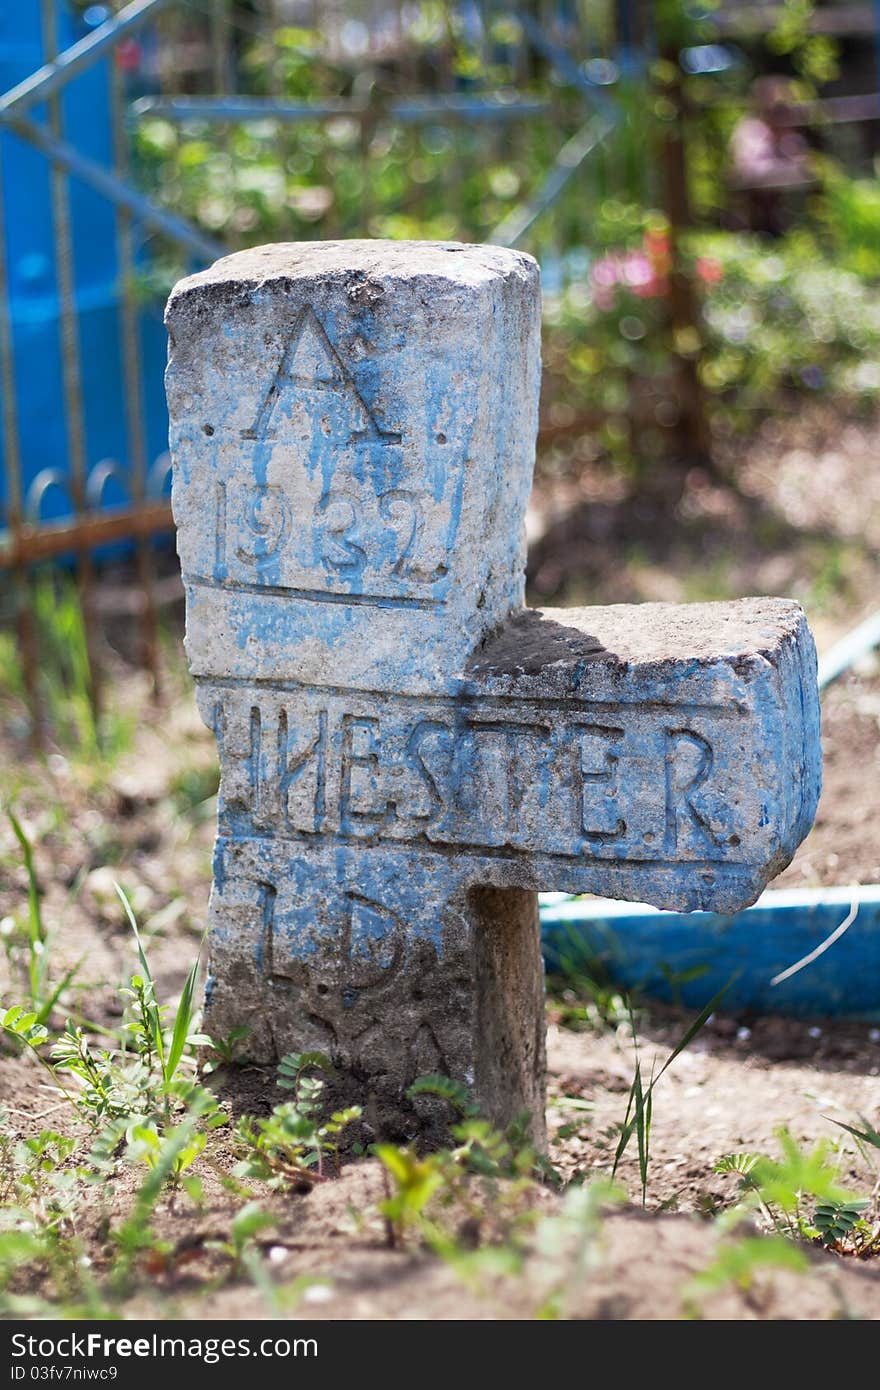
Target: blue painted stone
407, 754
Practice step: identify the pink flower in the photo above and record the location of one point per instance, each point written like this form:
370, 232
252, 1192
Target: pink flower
605, 271
128, 55
637, 271
656, 242
604, 276
709, 270
643, 275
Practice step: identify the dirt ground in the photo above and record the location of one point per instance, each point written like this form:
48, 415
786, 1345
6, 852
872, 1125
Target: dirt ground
147, 821
795, 512
844, 846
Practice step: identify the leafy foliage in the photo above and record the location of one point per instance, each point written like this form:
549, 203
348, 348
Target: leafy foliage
141, 1104
741, 1163
567, 1248
291, 1146
475, 1205
799, 1193
94, 741
781, 321
868, 1135
837, 1222
247, 1223
110, 1083
228, 1047
739, 1261
478, 1186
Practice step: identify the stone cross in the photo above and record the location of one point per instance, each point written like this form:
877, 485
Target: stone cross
407, 752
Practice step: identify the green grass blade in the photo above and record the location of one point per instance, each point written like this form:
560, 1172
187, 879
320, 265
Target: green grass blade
626, 1132
134, 1232
38, 958
869, 1135
646, 1141
698, 1024
49, 1004
640, 1129
36, 927
129, 912
182, 1021
155, 1019
35, 919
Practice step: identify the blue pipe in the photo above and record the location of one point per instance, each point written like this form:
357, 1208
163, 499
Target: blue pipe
408, 110
849, 650
688, 957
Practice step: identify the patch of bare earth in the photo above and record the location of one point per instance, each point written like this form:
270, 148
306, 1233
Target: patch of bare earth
800, 523
730, 1090
844, 847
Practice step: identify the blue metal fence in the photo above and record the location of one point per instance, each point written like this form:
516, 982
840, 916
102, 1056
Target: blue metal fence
38, 242
83, 230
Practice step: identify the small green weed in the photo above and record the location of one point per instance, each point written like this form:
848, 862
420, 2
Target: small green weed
800, 1196
145, 1077
640, 1104
567, 1246
867, 1135
475, 1205
291, 1146
142, 1105
66, 679
246, 1224
227, 1048
34, 935
157, 1047
167, 1154
475, 1189
737, 1262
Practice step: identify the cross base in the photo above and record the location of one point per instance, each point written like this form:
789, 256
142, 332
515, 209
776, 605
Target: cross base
407, 984
375, 871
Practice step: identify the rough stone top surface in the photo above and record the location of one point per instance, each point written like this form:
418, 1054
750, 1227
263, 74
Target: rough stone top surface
381, 261
640, 634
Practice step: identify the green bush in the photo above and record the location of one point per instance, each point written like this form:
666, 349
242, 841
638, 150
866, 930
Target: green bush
779, 318
849, 211
787, 317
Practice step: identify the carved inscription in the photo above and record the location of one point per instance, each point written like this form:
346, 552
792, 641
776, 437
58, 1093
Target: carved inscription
309, 363
369, 940
317, 495
368, 937
642, 785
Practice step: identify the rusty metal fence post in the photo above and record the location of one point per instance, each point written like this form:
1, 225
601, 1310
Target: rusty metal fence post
421, 89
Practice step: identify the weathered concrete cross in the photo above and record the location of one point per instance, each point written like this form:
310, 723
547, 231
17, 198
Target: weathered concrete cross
407, 753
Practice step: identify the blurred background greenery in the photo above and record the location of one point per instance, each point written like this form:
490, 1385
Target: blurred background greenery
697, 178
688, 284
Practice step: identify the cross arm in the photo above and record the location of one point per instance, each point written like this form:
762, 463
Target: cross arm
693, 762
